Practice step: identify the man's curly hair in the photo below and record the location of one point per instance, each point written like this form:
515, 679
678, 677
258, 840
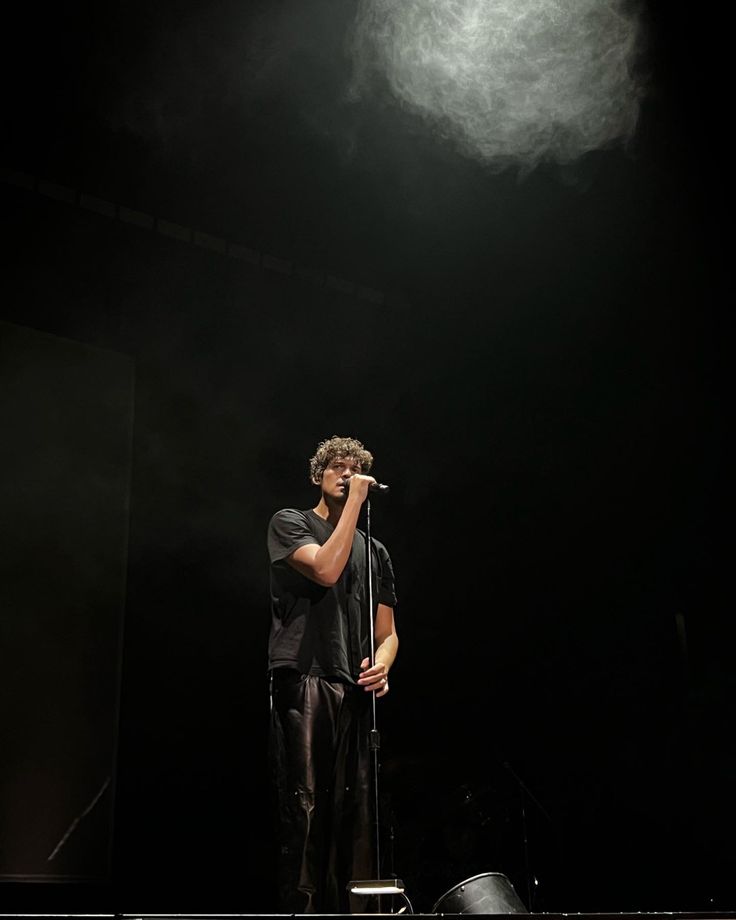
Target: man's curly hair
336, 447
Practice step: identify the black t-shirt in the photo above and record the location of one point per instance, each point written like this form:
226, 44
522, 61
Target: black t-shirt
316, 629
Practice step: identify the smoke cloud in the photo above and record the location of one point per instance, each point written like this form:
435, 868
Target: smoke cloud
511, 82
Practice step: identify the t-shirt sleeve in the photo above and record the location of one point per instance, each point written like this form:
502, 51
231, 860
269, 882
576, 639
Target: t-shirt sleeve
287, 531
386, 585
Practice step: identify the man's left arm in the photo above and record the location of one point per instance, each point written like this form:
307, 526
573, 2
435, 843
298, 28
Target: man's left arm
387, 645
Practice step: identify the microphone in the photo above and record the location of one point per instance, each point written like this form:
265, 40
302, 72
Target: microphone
380, 487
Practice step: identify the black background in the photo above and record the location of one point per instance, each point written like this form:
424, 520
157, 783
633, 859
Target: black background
542, 384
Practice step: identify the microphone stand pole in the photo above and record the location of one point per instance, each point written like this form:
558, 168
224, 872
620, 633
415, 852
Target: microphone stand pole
374, 738
526, 791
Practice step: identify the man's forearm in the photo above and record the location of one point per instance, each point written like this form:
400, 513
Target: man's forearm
387, 651
387, 642
324, 564
331, 558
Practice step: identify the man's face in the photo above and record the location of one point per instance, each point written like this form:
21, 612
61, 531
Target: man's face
336, 475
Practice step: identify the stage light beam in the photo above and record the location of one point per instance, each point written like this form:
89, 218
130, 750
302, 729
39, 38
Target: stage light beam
511, 82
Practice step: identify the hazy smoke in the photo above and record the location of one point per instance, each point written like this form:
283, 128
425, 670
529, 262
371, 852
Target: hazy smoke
513, 82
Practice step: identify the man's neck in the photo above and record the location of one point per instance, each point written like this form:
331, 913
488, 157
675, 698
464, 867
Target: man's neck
329, 511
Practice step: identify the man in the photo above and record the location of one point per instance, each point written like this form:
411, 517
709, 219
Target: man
322, 678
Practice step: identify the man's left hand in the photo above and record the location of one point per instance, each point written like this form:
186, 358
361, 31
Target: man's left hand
373, 678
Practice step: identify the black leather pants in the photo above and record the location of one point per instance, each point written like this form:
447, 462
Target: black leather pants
321, 769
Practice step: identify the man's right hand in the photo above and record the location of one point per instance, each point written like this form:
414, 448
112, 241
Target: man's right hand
358, 485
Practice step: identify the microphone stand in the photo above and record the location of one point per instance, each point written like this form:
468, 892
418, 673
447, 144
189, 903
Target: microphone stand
395, 886
374, 738
526, 791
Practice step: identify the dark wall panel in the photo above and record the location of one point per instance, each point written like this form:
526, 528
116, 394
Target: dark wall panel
67, 415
